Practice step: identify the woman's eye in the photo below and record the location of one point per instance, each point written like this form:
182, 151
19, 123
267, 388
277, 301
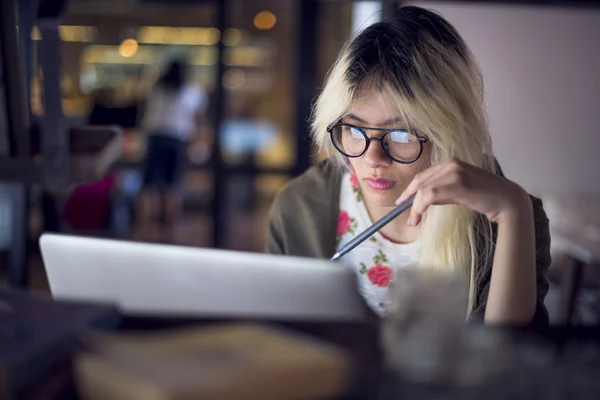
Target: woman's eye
399, 136
356, 133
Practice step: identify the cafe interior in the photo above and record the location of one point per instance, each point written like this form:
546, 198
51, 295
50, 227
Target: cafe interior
98, 303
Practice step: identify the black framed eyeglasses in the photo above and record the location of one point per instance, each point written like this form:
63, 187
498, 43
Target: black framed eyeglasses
400, 145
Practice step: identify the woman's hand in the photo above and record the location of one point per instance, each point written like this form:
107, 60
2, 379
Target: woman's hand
512, 291
456, 182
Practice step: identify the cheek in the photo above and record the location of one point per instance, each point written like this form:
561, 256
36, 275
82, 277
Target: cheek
405, 173
353, 165
420, 165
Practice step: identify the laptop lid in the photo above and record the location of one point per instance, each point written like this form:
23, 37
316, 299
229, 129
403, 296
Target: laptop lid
166, 280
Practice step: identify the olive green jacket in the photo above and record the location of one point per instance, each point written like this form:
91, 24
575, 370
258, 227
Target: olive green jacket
303, 222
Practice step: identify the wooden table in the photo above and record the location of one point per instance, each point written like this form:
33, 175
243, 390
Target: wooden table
371, 381
44, 319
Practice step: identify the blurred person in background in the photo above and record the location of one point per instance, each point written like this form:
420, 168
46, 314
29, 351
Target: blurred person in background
402, 113
174, 112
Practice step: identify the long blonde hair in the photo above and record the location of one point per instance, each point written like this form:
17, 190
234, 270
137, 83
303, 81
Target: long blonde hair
419, 60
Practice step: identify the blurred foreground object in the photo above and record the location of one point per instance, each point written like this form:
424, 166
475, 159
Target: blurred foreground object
38, 336
430, 352
240, 361
575, 230
425, 337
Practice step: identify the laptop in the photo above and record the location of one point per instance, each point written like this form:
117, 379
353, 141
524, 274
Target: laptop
145, 279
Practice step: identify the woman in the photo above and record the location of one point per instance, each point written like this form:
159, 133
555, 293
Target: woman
402, 113
173, 110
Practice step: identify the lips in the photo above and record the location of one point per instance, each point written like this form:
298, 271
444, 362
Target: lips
380, 183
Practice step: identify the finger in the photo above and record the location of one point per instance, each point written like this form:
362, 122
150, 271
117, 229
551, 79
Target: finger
419, 179
424, 198
425, 176
414, 218
440, 191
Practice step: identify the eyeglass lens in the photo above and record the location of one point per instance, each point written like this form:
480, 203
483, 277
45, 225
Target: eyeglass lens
400, 144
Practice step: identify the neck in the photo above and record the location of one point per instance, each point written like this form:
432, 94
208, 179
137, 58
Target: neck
398, 230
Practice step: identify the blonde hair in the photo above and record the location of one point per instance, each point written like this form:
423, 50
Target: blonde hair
420, 62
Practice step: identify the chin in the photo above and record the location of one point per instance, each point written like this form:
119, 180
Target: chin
381, 198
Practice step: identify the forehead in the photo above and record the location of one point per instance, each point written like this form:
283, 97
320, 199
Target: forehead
375, 108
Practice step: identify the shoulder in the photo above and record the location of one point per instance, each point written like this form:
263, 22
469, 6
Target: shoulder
540, 220
303, 217
192, 90
315, 185
158, 95
541, 225
194, 95
543, 261
154, 92
538, 208
542, 236
542, 233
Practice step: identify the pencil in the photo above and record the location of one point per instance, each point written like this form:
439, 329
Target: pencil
364, 235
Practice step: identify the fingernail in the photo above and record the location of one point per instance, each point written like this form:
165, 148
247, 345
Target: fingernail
411, 221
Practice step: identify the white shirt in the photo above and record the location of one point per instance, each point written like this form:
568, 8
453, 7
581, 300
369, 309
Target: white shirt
375, 259
174, 112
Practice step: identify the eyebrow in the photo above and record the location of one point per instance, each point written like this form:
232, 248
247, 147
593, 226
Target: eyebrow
390, 121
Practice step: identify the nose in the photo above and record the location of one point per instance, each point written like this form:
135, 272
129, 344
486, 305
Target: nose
375, 157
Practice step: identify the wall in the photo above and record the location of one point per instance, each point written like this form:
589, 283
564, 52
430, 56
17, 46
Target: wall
542, 80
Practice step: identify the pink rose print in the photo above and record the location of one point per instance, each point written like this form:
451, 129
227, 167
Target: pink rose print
380, 275
344, 223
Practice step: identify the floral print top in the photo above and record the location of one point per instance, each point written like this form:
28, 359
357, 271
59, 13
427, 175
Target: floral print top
375, 259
